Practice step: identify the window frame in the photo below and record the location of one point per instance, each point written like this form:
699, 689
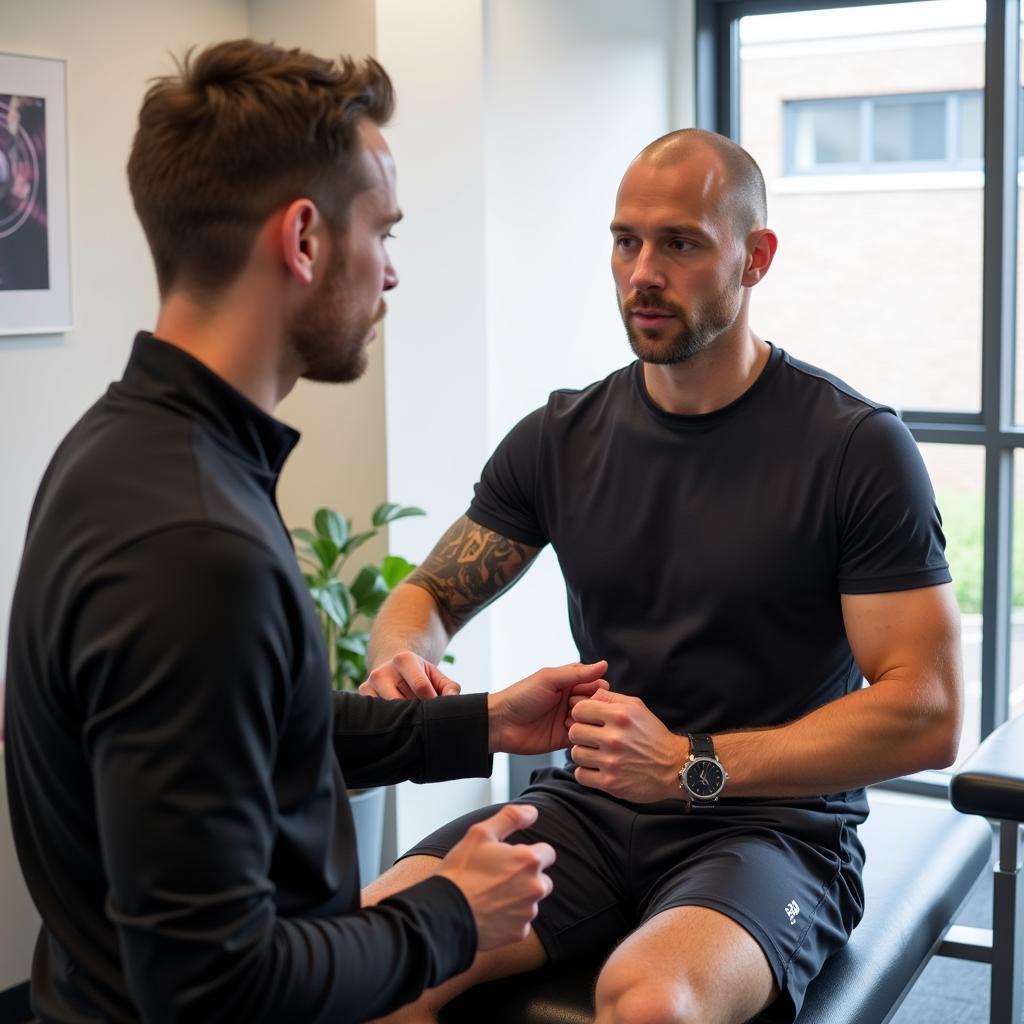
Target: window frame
992, 428
867, 107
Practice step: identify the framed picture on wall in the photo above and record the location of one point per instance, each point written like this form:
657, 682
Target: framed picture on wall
35, 274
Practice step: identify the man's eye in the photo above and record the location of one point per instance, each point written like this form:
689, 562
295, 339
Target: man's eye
680, 244
624, 243
390, 234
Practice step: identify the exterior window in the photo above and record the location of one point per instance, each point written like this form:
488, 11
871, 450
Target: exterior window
855, 135
909, 131
969, 128
824, 136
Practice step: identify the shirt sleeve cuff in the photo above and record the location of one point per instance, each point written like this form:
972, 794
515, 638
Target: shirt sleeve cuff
456, 737
444, 917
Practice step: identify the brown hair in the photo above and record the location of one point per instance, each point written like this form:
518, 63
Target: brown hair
242, 129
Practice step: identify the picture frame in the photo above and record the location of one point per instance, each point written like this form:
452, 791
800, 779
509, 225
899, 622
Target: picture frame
35, 271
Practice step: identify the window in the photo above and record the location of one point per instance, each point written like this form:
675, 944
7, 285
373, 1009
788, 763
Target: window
857, 135
969, 127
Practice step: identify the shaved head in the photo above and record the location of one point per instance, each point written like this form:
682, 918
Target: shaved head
746, 198
689, 240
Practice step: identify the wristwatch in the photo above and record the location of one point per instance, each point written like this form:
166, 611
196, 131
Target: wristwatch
702, 777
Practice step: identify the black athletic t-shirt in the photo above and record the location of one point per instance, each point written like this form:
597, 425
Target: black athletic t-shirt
704, 556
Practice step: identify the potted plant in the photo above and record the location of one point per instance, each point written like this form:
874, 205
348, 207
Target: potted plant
346, 611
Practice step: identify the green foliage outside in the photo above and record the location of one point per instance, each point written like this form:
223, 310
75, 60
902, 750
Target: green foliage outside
347, 610
962, 523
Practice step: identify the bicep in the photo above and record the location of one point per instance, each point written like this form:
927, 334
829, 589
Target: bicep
468, 568
908, 634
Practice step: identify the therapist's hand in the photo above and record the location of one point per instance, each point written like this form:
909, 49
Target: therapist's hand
533, 715
503, 883
407, 676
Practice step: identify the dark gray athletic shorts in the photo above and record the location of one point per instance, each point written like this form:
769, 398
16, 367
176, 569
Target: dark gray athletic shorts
790, 875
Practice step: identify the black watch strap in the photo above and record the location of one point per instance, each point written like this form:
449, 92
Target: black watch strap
701, 744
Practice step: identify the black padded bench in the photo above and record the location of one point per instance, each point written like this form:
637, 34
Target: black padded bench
922, 862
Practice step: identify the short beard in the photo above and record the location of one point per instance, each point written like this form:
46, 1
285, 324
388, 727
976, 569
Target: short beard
697, 332
329, 335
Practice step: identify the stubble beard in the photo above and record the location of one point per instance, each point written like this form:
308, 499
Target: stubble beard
696, 333
330, 334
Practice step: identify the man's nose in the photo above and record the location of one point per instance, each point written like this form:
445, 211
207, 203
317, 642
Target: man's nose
390, 276
646, 273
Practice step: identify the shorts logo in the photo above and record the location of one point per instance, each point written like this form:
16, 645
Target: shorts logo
792, 911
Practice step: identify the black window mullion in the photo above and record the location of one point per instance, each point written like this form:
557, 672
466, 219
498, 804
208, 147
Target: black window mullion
997, 587
998, 344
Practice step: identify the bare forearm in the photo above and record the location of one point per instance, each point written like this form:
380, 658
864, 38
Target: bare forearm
887, 730
408, 621
908, 720
881, 732
467, 568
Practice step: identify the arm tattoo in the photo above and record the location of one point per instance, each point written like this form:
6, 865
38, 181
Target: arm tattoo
468, 568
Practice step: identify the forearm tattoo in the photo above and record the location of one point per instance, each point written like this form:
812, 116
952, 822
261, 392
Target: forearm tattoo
468, 568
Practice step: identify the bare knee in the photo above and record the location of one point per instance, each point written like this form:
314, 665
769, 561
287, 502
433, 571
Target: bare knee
628, 997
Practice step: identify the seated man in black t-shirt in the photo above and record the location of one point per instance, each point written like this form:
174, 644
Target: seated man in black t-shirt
745, 539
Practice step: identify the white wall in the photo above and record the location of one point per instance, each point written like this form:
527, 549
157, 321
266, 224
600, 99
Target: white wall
516, 119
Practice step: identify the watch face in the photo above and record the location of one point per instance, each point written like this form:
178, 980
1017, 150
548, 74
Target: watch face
705, 778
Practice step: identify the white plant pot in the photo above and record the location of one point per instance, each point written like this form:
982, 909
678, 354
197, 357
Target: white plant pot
368, 812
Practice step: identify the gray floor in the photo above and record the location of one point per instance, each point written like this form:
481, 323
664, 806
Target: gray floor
954, 991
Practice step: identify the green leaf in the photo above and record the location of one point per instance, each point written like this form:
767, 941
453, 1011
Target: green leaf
350, 670
329, 524
304, 535
388, 512
335, 601
369, 591
394, 569
327, 551
353, 645
368, 580
358, 540
449, 659
344, 595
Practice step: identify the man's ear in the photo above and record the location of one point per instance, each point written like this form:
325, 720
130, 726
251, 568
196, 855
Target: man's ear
761, 246
301, 239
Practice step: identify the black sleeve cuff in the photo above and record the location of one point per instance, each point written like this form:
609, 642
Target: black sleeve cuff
444, 917
455, 738
504, 528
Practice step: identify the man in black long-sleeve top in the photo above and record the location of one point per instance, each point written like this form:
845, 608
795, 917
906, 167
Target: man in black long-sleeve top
176, 761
